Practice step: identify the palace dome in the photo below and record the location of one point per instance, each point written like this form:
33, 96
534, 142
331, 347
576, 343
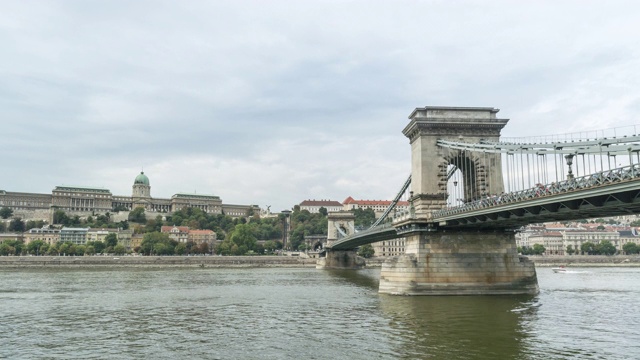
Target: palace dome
141, 179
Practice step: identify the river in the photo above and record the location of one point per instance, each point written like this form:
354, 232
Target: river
285, 313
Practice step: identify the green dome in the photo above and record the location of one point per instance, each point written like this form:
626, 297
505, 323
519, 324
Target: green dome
141, 179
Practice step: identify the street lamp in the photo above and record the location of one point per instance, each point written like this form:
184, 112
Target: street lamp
285, 218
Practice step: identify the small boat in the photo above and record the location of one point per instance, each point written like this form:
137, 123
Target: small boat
560, 269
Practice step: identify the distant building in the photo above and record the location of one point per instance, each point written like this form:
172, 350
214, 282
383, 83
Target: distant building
177, 233
378, 206
389, 248
85, 201
76, 236
313, 206
49, 236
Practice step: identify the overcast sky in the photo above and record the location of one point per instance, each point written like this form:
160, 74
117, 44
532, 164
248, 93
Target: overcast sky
275, 102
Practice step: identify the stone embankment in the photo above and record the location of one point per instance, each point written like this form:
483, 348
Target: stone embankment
155, 261
586, 260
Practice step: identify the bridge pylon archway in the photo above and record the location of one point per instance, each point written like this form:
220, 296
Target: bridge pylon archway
340, 224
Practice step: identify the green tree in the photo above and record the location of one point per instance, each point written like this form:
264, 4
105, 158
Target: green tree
60, 217
3, 227
270, 246
605, 247
111, 239
364, 217
323, 211
570, 250
6, 213
34, 247
119, 249
180, 249
6, 249
588, 248
366, 251
243, 236
538, 249
630, 248
17, 225
34, 224
89, 250
150, 240
137, 215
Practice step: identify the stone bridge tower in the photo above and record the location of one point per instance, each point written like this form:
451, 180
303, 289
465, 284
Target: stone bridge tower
340, 224
454, 261
481, 174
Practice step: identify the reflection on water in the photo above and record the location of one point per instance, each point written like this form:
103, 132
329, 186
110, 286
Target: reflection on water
478, 327
308, 313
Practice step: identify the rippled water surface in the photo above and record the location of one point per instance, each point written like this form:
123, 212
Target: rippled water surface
308, 314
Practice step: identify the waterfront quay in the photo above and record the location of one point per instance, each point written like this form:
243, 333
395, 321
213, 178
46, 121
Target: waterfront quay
272, 261
156, 261
586, 260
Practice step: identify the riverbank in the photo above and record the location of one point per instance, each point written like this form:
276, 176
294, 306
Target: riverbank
270, 261
586, 260
155, 261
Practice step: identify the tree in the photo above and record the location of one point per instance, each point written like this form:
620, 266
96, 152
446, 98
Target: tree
3, 227
6, 249
366, 251
588, 248
270, 246
89, 250
60, 217
243, 236
17, 225
180, 249
137, 215
605, 247
323, 211
151, 244
630, 248
538, 249
570, 250
111, 239
364, 217
119, 249
34, 247
6, 213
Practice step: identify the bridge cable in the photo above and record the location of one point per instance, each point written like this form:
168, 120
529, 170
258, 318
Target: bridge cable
393, 203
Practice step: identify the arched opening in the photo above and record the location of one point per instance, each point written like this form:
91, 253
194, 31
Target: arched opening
463, 180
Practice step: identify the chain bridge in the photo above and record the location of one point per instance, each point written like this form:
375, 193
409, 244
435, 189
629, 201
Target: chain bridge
470, 190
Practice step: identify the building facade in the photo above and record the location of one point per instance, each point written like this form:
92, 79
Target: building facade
313, 206
84, 201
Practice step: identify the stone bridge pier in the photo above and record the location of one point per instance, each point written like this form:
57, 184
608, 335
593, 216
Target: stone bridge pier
459, 263
454, 262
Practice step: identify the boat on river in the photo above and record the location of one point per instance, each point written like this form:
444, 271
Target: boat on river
560, 269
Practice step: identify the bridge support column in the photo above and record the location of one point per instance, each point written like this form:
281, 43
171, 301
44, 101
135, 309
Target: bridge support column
459, 263
341, 259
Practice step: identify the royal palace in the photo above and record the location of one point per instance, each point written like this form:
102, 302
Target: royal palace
83, 201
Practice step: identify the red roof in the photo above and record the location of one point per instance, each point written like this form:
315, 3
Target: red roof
201, 232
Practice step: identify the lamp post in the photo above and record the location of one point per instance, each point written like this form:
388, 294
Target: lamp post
285, 220
569, 159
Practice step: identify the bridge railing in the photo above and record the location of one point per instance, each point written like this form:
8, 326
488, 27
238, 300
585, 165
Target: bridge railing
371, 230
602, 178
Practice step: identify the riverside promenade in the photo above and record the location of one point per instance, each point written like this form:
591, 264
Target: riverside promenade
155, 261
